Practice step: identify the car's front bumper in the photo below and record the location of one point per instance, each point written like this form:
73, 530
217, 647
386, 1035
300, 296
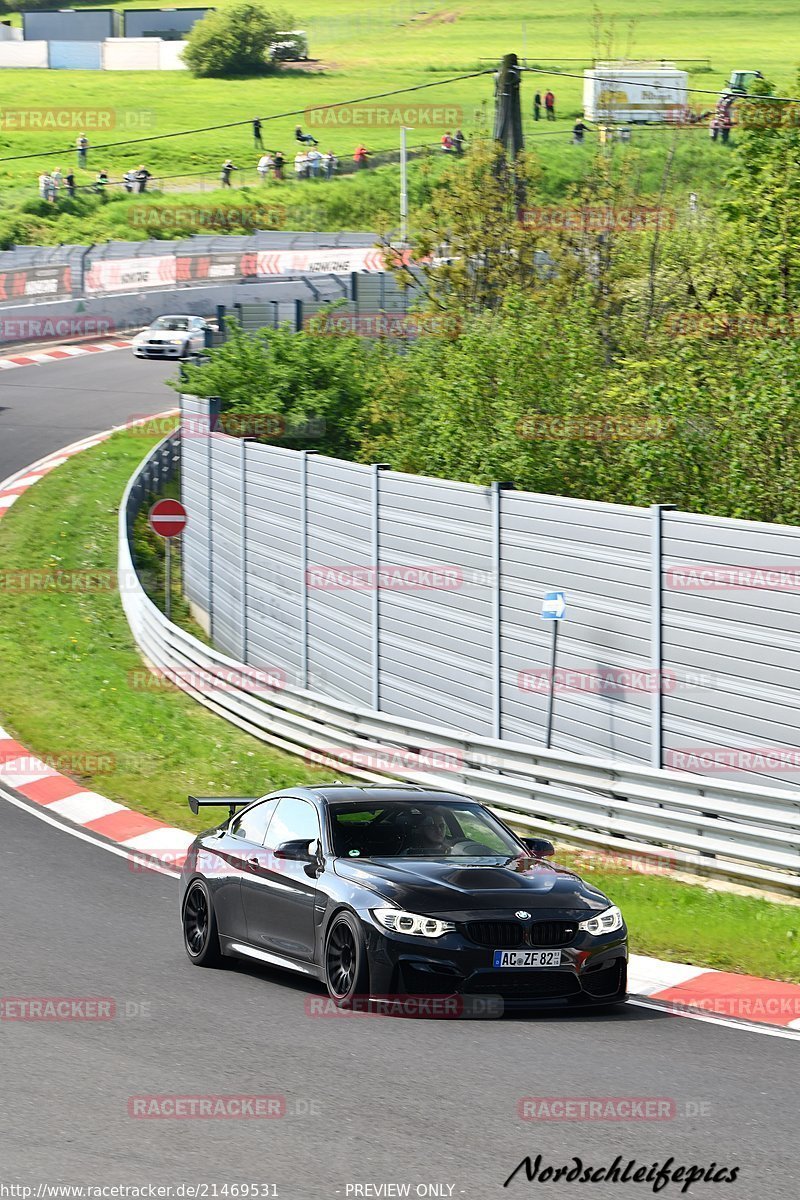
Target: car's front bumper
160, 350
593, 970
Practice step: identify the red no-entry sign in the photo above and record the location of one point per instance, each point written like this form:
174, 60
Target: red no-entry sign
167, 518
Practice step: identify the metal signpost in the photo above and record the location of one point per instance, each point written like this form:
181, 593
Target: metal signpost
554, 608
167, 518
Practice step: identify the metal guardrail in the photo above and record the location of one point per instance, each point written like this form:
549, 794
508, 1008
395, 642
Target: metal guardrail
730, 831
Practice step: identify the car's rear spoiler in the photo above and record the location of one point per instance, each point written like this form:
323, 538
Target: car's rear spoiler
230, 802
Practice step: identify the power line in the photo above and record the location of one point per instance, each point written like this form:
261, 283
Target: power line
669, 87
297, 112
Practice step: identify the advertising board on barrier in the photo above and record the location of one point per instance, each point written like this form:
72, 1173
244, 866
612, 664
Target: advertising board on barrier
34, 283
130, 274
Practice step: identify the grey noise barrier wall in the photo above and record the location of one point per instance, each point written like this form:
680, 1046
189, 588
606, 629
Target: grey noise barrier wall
680, 647
294, 664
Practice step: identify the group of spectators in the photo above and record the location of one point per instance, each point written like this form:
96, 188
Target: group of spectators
309, 163
453, 143
53, 183
549, 106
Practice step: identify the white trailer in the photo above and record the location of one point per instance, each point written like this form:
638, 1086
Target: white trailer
625, 91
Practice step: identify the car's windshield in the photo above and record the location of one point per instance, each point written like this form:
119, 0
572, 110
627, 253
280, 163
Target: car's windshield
422, 830
171, 323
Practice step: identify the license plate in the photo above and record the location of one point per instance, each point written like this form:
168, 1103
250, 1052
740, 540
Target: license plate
527, 958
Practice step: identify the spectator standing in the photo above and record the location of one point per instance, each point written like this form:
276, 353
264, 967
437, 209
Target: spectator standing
69, 180
265, 165
361, 157
329, 163
447, 142
279, 162
537, 107
257, 142
129, 180
458, 142
101, 181
142, 176
82, 144
225, 172
45, 183
550, 105
314, 163
304, 138
301, 164
58, 180
578, 130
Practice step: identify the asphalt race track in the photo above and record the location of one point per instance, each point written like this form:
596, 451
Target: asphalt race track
45, 407
369, 1100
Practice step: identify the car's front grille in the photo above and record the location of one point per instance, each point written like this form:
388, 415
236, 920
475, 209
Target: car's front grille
506, 935
513, 984
500, 935
552, 933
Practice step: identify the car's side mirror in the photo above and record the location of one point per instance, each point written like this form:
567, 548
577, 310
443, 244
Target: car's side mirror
539, 847
297, 851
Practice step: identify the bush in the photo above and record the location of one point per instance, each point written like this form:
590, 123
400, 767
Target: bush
233, 41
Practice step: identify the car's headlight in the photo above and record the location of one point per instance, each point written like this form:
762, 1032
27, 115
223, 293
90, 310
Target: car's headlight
404, 922
606, 922
176, 341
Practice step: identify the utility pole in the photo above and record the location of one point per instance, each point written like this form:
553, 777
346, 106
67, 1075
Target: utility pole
507, 109
404, 129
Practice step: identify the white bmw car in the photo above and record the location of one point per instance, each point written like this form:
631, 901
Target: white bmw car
171, 337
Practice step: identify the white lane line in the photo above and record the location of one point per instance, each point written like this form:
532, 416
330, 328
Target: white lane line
83, 837
711, 1019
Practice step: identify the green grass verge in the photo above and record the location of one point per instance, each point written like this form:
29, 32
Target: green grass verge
701, 925
367, 49
68, 660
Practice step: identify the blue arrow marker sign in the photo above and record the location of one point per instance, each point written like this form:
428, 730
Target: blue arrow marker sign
554, 606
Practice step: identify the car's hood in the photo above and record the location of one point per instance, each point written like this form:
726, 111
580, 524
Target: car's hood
161, 335
473, 885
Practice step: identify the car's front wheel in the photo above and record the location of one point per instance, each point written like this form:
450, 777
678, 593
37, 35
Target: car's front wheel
200, 934
346, 963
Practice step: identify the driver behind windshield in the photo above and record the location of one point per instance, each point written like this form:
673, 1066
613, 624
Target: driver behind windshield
430, 836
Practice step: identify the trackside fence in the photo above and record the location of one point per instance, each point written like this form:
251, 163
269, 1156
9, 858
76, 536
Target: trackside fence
728, 830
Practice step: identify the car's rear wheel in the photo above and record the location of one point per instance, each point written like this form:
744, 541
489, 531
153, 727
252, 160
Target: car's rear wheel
200, 934
346, 963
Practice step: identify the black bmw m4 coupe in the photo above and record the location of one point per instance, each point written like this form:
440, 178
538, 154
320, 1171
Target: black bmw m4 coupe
389, 892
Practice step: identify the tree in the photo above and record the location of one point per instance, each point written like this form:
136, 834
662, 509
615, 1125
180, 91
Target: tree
234, 41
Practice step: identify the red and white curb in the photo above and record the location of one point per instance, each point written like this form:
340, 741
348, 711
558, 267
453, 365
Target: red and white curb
143, 836
36, 357
34, 778
720, 996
